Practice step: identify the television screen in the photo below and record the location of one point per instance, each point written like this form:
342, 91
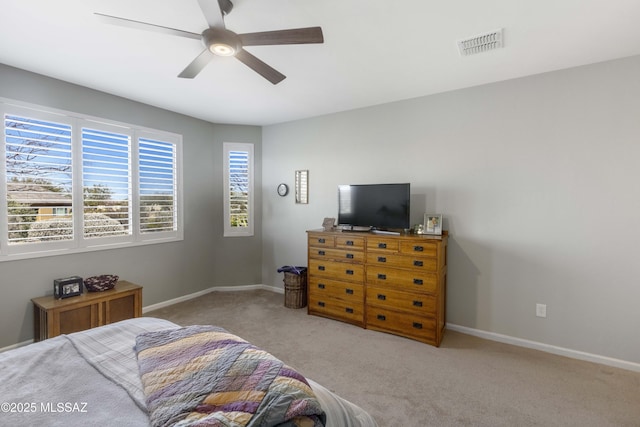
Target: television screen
379, 206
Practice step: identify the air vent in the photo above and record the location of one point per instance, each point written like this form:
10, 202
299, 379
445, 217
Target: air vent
481, 43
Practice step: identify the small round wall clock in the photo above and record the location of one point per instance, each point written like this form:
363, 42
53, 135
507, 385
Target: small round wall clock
283, 189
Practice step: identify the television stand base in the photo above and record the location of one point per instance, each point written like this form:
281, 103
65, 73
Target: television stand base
393, 233
355, 228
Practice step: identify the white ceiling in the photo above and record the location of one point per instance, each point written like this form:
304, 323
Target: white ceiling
375, 51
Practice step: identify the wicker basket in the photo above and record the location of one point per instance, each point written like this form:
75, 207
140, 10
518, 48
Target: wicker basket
101, 283
295, 290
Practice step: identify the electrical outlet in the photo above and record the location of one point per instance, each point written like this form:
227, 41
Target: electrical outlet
541, 310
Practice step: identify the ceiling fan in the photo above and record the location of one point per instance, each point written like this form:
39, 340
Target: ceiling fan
218, 41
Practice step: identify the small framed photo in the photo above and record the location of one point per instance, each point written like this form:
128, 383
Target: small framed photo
432, 224
328, 224
68, 287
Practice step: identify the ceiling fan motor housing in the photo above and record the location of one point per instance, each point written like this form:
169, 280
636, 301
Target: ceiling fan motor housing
221, 42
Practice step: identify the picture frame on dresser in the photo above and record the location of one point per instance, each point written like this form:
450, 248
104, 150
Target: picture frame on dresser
432, 224
328, 224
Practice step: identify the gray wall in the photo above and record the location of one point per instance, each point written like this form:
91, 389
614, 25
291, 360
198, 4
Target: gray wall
202, 260
538, 179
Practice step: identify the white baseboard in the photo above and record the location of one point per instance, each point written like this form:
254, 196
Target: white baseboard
492, 336
561, 351
574, 354
206, 291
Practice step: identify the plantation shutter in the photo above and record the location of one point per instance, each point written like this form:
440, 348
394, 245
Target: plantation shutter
157, 181
71, 183
238, 189
38, 180
106, 183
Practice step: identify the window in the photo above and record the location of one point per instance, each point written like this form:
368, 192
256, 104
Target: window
238, 189
157, 167
37, 175
106, 183
71, 183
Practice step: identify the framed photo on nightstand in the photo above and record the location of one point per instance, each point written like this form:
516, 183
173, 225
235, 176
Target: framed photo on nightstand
433, 224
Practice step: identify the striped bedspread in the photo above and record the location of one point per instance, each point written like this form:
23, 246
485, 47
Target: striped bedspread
205, 376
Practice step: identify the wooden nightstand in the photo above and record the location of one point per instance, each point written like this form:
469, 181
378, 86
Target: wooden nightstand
53, 317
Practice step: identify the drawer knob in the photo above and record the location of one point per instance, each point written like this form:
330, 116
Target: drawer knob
321, 303
382, 276
349, 291
382, 259
349, 310
349, 256
382, 297
321, 241
418, 248
323, 253
321, 267
417, 281
418, 263
381, 317
349, 272
321, 285
349, 242
417, 325
382, 245
417, 303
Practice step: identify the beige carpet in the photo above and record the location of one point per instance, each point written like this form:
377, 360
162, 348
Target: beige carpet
468, 381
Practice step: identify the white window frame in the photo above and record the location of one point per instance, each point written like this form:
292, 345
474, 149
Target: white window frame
80, 244
230, 231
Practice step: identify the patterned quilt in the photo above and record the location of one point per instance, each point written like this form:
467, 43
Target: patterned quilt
205, 376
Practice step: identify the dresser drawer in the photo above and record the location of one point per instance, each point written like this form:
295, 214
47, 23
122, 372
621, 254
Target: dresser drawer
405, 324
410, 281
347, 311
327, 288
322, 241
429, 249
382, 244
336, 270
336, 254
402, 261
420, 304
350, 242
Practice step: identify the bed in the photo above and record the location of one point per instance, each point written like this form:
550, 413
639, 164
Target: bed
127, 374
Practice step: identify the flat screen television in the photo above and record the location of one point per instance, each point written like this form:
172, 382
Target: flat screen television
374, 206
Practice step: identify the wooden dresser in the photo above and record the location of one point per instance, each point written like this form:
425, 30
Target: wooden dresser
390, 283
53, 317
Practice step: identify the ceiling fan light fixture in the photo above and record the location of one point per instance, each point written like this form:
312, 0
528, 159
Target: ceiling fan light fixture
222, 49
221, 42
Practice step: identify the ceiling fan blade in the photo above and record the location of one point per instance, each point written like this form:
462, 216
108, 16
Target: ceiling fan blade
266, 71
293, 36
196, 65
212, 11
130, 23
